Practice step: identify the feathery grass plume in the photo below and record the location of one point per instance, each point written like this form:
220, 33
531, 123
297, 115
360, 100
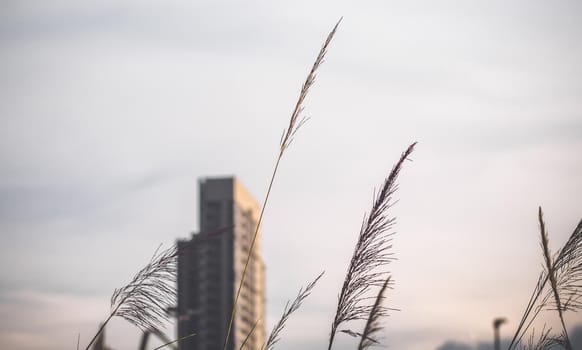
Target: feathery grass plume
550, 271
567, 269
145, 299
373, 325
545, 341
568, 272
558, 341
289, 309
371, 252
295, 122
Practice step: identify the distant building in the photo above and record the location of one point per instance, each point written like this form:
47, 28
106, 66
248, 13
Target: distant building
210, 266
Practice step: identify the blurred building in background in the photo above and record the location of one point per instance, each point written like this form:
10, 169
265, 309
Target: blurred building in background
210, 266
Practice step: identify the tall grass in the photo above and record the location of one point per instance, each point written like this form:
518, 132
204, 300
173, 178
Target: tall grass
370, 253
274, 336
374, 323
559, 289
295, 123
145, 300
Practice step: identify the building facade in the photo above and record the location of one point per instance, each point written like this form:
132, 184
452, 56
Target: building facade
210, 266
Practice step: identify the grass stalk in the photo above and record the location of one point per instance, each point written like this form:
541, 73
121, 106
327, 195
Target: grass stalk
168, 343
100, 330
370, 253
289, 309
143, 302
295, 122
550, 270
564, 274
373, 324
249, 335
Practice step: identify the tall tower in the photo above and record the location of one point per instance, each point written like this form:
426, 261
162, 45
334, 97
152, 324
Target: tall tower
210, 266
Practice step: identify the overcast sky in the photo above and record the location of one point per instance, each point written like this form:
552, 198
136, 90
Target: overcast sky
110, 111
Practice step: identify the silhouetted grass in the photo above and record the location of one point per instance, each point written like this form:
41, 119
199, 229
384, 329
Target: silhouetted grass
295, 122
559, 288
370, 253
145, 300
374, 324
274, 337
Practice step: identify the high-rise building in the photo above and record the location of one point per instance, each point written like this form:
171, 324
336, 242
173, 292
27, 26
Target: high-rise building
210, 266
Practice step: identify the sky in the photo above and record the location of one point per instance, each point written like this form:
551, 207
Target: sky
111, 111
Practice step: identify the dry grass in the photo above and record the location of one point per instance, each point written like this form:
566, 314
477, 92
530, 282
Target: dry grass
370, 253
295, 122
559, 288
145, 300
274, 337
374, 324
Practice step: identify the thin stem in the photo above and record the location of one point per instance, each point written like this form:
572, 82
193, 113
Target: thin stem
530, 306
251, 249
101, 329
249, 335
175, 341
